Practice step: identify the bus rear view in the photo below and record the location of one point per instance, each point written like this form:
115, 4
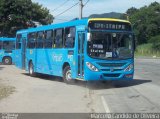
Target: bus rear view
110, 50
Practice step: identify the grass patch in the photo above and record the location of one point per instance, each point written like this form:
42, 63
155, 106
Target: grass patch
147, 50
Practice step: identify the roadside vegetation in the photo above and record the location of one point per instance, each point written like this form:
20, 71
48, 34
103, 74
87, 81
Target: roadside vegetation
147, 50
21, 14
146, 25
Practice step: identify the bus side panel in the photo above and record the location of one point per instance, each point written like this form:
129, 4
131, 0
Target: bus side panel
1, 55
60, 57
43, 62
18, 58
51, 61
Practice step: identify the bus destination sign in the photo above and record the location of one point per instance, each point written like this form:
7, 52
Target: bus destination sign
105, 25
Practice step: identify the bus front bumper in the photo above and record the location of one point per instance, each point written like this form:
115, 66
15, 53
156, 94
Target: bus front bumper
89, 75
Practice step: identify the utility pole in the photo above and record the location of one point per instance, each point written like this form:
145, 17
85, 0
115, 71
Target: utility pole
80, 9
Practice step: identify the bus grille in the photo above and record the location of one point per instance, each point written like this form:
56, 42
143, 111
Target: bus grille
105, 69
111, 75
111, 64
110, 69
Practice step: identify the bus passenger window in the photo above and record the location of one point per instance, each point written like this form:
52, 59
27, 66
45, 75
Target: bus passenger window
31, 40
49, 39
69, 37
8, 45
59, 38
40, 40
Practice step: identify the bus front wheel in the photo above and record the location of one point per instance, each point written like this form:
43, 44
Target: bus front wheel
7, 61
67, 75
31, 69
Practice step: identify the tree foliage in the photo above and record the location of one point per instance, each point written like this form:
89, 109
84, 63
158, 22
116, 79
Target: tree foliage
131, 11
146, 22
20, 14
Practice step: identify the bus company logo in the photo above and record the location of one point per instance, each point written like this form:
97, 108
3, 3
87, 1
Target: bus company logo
57, 57
112, 69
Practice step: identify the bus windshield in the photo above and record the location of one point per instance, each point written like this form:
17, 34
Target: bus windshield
104, 45
8, 45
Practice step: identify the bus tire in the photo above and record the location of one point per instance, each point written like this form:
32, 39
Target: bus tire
7, 61
31, 69
67, 75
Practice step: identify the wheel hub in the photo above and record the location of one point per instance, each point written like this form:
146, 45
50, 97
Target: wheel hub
31, 70
68, 75
6, 61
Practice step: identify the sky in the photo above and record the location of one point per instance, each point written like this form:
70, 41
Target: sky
92, 7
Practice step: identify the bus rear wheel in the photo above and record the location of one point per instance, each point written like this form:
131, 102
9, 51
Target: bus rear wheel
31, 69
7, 61
67, 75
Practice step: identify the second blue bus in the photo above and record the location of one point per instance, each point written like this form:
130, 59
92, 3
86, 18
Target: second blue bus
7, 47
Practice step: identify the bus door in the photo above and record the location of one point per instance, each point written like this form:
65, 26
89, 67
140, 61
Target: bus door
81, 39
23, 52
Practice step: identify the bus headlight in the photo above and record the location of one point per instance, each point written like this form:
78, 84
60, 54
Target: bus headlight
129, 68
91, 66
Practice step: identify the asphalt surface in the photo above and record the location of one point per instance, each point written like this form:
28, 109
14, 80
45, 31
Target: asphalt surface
48, 94
140, 98
148, 69
140, 95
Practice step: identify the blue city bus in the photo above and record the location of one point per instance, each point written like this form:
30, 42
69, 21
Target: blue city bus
7, 47
87, 49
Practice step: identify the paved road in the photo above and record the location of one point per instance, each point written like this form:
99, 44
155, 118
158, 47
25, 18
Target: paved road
49, 94
140, 95
149, 69
45, 94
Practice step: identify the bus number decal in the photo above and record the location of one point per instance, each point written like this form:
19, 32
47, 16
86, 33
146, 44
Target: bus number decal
57, 57
31, 52
70, 57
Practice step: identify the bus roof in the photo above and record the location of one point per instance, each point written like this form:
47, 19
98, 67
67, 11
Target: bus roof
68, 24
54, 26
7, 39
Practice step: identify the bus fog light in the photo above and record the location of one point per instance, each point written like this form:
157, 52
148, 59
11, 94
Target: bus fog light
91, 66
128, 75
129, 68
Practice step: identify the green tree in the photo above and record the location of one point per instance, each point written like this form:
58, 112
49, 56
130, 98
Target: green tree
131, 11
146, 21
20, 14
